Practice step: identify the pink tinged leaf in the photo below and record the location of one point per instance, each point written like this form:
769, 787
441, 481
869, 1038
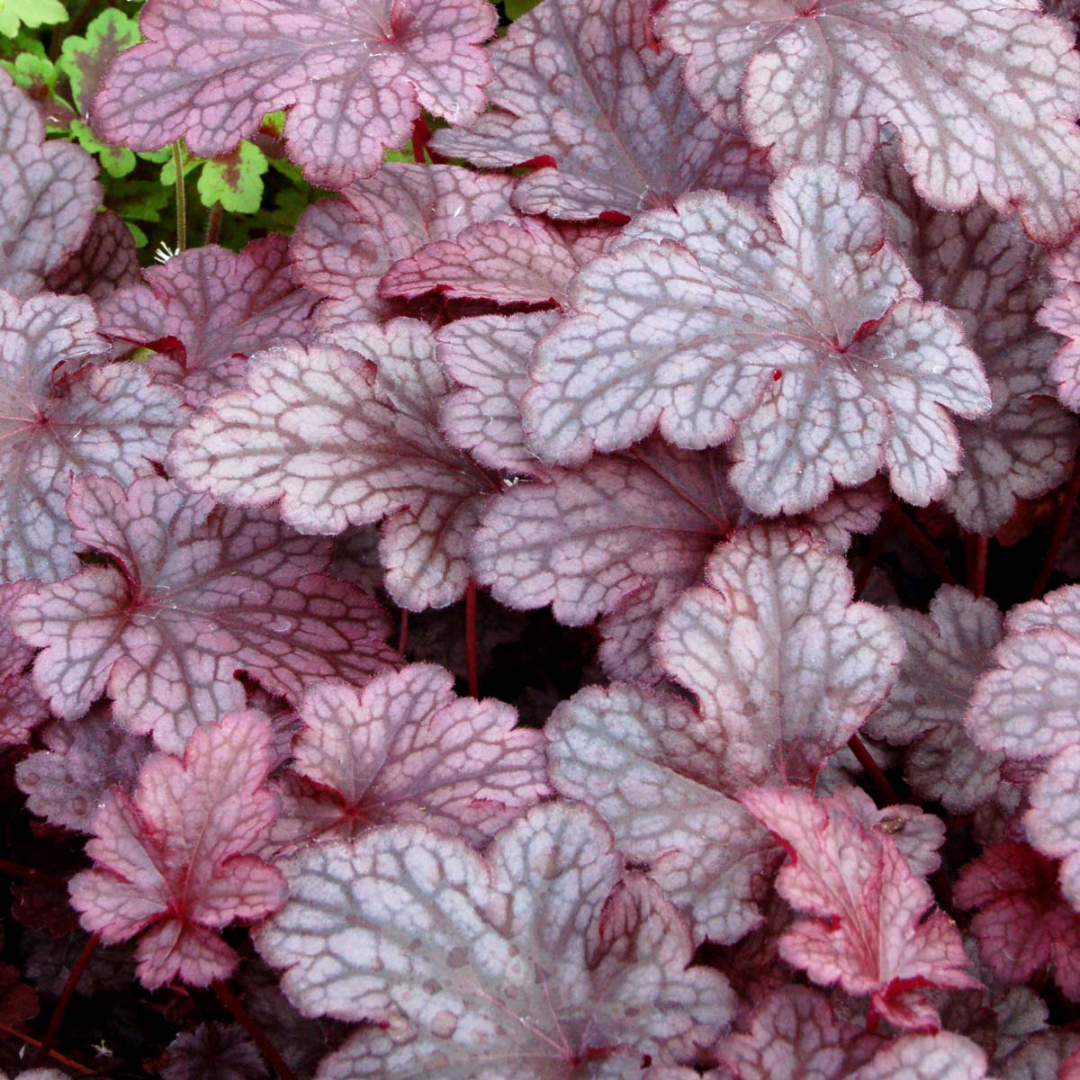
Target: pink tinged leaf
583, 84
796, 1036
992, 277
21, 708
107, 260
779, 657
175, 859
344, 247
1053, 822
529, 961
1061, 314
942, 1056
646, 763
984, 96
407, 749
61, 419
869, 931
946, 652
207, 310
1022, 924
917, 835
66, 782
686, 323
339, 441
353, 80
199, 594
489, 357
1027, 705
527, 262
50, 192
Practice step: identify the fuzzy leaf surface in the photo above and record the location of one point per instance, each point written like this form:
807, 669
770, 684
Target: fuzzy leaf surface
941, 1056
581, 82
537, 957
983, 94
196, 593
526, 262
21, 708
344, 247
1061, 313
866, 931
339, 441
352, 78
406, 749
62, 418
207, 310
779, 657
648, 765
1028, 704
50, 192
175, 859
1053, 822
685, 325
214, 1052
947, 650
107, 260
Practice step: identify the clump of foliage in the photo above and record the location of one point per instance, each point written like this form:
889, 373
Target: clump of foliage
538, 539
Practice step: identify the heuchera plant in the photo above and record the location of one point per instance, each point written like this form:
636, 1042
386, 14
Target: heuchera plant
538, 539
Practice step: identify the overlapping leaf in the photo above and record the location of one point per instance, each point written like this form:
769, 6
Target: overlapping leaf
803, 332
1022, 924
946, 651
1028, 704
1053, 822
526, 262
535, 959
1061, 313
582, 83
214, 1052
353, 79
62, 418
868, 930
195, 594
207, 310
341, 441
344, 247
941, 1056
984, 94
50, 193
649, 765
21, 708
992, 277
779, 657
407, 749
107, 260
176, 859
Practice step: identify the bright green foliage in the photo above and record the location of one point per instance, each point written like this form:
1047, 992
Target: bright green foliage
32, 72
29, 13
84, 59
115, 160
234, 180
516, 8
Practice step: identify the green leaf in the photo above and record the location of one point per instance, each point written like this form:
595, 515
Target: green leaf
29, 13
34, 73
84, 59
136, 200
115, 160
234, 180
516, 8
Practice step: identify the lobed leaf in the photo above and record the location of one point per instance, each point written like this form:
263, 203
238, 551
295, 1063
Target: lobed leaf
192, 595
804, 331
581, 87
175, 860
984, 95
780, 659
21, 709
406, 749
50, 192
1053, 821
207, 310
64, 417
341, 441
536, 958
107, 260
941, 1056
84, 59
1061, 314
649, 766
868, 930
352, 79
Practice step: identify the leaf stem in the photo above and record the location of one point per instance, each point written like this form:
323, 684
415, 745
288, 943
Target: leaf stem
403, 633
213, 223
884, 792
29, 1040
886, 527
45, 1049
38, 877
472, 675
1061, 529
258, 1036
926, 546
181, 198
420, 138
976, 548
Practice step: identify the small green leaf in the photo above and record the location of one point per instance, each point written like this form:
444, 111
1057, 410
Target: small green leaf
29, 13
34, 73
516, 8
115, 160
234, 180
84, 59
140, 238
136, 200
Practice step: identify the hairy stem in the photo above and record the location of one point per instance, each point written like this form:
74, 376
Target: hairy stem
57, 1018
884, 793
976, 550
181, 198
471, 673
403, 633
258, 1036
29, 1040
213, 224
